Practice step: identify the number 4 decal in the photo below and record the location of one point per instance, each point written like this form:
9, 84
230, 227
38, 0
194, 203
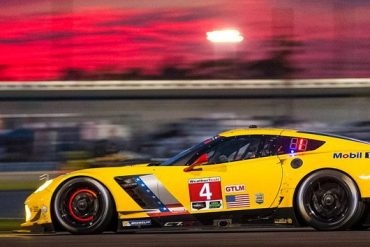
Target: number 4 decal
206, 191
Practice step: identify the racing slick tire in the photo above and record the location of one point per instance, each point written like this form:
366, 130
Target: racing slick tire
329, 200
82, 205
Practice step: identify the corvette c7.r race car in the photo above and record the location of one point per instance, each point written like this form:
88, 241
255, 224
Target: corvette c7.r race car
240, 177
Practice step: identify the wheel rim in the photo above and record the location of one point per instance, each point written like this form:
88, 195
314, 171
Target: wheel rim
80, 206
327, 200
83, 205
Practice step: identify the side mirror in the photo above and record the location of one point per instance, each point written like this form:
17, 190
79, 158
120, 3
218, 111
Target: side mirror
203, 159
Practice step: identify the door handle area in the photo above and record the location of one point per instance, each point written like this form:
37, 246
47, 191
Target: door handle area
191, 169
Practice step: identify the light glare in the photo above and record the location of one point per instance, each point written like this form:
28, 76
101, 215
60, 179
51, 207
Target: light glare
225, 36
28, 213
44, 186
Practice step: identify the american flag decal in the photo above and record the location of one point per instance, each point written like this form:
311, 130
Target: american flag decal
237, 201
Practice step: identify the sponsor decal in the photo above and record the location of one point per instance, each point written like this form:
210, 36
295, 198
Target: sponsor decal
283, 221
355, 155
259, 198
204, 180
198, 205
205, 193
237, 201
172, 224
235, 188
367, 155
206, 205
215, 204
129, 223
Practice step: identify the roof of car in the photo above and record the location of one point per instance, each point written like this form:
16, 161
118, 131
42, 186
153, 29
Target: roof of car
254, 131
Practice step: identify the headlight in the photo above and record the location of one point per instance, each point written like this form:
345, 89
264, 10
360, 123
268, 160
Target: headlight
44, 185
28, 213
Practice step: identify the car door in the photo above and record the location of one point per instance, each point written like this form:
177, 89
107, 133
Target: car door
241, 173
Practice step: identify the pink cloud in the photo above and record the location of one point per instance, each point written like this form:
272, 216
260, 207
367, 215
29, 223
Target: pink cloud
40, 46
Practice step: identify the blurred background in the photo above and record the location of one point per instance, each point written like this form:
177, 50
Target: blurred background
91, 84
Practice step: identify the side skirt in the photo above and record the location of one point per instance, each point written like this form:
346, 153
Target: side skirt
252, 218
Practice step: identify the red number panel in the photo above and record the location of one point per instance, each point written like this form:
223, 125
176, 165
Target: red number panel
207, 189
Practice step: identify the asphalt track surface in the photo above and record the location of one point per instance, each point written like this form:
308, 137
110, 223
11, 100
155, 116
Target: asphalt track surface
249, 237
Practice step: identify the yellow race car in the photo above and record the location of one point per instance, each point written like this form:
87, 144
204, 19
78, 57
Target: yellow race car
240, 177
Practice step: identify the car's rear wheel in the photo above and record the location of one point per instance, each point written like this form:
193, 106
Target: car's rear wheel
82, 205
329, 200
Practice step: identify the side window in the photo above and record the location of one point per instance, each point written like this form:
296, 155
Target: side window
249, 148
238, 148
223, 152
270, 146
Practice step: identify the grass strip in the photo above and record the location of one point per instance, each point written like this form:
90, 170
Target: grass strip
10, 224
19, 185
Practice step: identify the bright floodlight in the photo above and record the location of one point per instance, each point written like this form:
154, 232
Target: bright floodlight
225, 36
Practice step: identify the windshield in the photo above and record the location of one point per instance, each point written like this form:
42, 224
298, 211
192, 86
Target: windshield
185, 157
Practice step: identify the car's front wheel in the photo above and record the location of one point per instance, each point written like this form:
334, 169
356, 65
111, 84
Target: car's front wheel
329, 200
82, 205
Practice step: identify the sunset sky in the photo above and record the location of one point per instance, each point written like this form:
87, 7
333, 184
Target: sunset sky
41, 38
